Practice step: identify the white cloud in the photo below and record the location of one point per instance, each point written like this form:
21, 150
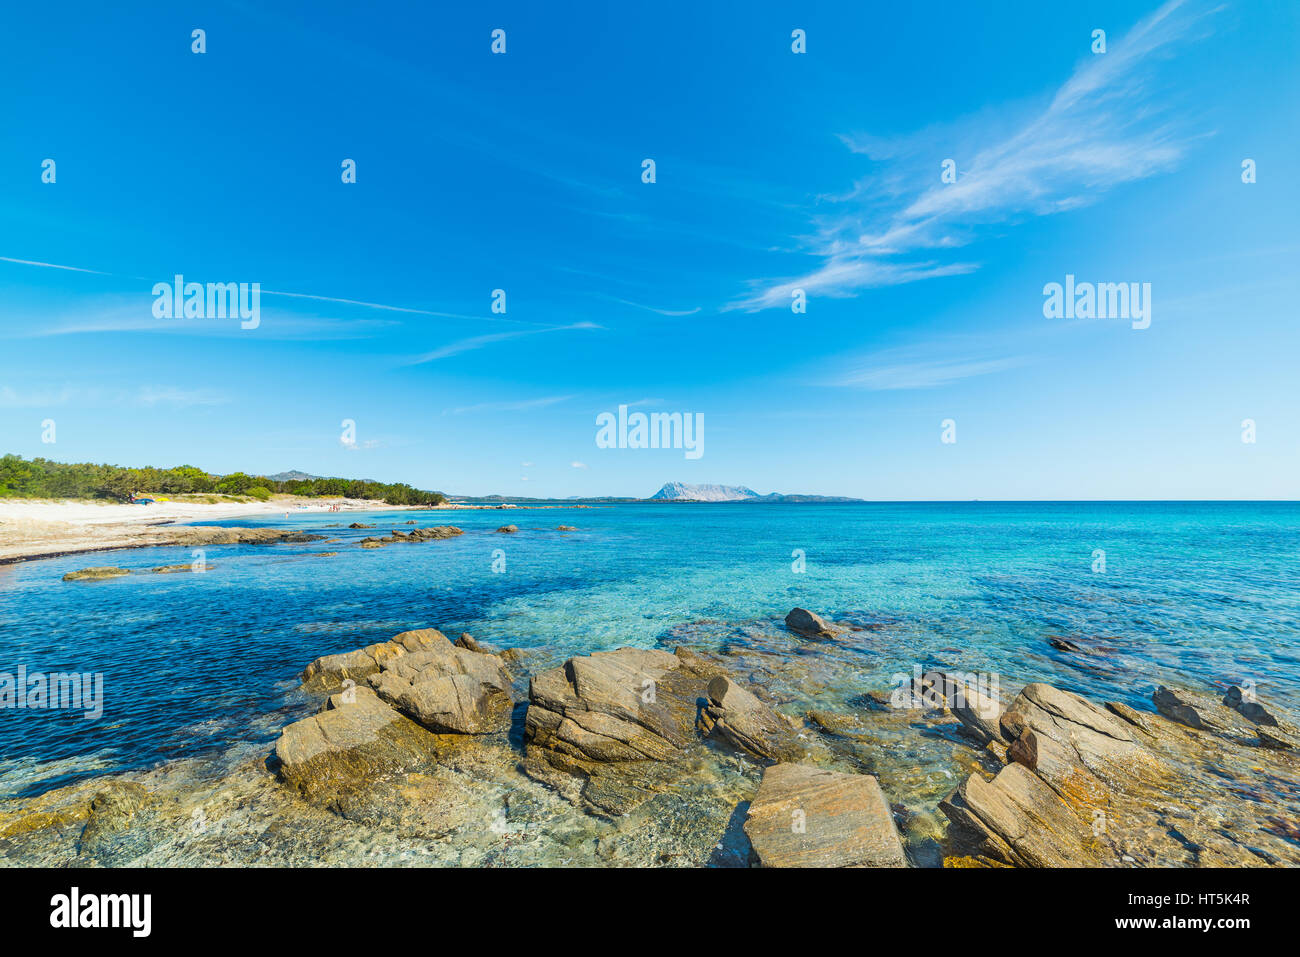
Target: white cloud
371, 305
30, 262
173, 395
478, 342
897, 370
1099, 130
673, 313
522, 405
578, 465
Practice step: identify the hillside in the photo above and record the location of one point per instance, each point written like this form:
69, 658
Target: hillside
681, 492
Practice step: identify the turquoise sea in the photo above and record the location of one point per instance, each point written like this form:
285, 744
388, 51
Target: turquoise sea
1199, 595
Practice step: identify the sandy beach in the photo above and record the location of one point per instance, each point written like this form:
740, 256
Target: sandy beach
31, 529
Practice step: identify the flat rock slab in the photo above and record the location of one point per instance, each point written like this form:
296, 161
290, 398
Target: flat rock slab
1018, 819
97, 573
414, 535
805, 816
1082, 748
736, 716
354, 741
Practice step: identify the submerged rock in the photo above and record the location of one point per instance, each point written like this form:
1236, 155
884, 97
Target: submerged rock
805, 816
220, 535
1238, 701
1278, 739
979, 713
508, 529
831, 722
96, 574
1200, 711
809, 624
431, 533
174, 569
108, 837
434, 532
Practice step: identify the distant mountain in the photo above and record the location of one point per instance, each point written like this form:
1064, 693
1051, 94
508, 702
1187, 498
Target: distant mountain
672, 492
681, 492
292, 477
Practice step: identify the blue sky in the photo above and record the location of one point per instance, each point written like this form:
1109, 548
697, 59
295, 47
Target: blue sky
774, 170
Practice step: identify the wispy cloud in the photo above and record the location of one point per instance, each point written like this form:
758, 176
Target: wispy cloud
70, 395
173, 395
379, 305
918, 368
1098, 131
522, 405
478, 342
288, 295
655, 309
578, 465
120, 313
31, 262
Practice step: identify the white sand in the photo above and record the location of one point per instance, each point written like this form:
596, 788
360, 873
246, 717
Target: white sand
95, 513
33, 529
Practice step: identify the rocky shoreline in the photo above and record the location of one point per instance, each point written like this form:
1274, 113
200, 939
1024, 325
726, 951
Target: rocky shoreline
31, 531
426, 750
112, 538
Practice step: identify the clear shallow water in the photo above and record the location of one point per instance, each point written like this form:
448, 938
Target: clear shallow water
1193, 594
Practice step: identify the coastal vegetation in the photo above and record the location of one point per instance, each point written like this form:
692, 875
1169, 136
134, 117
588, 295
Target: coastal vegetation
45, 479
